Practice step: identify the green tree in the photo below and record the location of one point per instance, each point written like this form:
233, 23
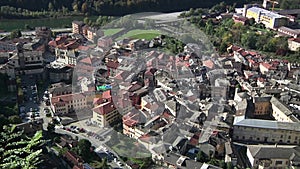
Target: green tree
202, 157
84, 146
86, 20
251, 21
51, 127
104, 164
249, 40
229, 165
84, 7
50, 6
209, 29
15, 34
14, 119
75, 7
285, 4
18, 151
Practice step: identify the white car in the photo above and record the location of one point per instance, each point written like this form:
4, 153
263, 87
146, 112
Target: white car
119, 163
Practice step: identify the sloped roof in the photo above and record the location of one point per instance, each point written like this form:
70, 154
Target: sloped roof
104, 108
271, 152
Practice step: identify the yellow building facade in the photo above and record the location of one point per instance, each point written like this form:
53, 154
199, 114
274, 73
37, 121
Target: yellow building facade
269, 19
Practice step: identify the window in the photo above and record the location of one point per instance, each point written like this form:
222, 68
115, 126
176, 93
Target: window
289, 137
257, 138
278, 162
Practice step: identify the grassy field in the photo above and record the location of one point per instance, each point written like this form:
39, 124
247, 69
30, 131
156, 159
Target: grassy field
108, 32
139, 33
11, 24
147, 36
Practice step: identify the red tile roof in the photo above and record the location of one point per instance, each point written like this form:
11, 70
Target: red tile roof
66, 98
113, 65
52, 43
106, 94
208, 63
135, 87
267, 65
83, 48
295, 40
104, 108
72, 157
244, 53
86, 60
130, 119
97, 101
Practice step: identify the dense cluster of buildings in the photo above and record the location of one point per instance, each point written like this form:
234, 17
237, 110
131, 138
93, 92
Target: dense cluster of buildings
177, 106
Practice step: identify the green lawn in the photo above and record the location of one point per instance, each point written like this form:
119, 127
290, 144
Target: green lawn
138, 33
128, 147
147, 36
108, 32
11, 24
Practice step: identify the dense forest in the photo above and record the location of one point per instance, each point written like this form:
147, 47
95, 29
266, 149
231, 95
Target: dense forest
109, 7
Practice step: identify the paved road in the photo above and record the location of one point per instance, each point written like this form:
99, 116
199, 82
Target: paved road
33, 101
95, 142
29, 33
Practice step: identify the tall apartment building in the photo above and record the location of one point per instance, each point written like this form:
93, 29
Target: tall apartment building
77, 27
105, 114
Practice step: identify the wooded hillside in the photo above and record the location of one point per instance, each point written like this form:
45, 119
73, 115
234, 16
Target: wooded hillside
113, 7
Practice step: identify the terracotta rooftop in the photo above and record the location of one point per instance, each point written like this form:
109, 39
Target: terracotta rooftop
104, 108
267, 65
113, 65
295, 40
67, 98
106, 94
130, 119
86, 60
83, 48
208, 63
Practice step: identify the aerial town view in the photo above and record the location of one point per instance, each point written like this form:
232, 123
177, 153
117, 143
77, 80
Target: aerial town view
150, 84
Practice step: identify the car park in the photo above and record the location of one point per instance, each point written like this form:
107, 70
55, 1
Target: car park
46, 110
82, 130
37, 114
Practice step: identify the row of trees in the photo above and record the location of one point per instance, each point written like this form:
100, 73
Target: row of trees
9, 111
104, 7
289, 4
9, 12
